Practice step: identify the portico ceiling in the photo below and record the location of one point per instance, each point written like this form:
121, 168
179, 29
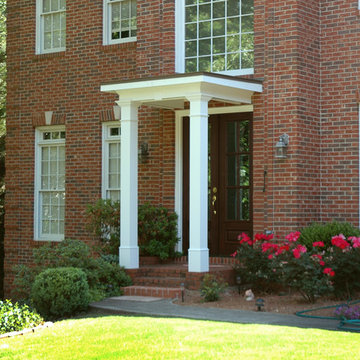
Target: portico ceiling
170, 92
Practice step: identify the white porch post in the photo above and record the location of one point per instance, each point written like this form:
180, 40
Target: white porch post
129, 249
198, 184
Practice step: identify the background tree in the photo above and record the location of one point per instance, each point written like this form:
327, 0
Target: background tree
2, 133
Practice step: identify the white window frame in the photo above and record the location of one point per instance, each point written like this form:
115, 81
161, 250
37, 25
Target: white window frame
106, 140
39, 47
180, 43
107, 40
39, 143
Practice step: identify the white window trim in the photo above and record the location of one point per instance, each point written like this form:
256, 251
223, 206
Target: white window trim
107, 28
37, 185
39, 33
106, 140
180, 43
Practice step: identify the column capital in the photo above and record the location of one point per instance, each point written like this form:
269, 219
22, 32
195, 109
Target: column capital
128, 103
198, 98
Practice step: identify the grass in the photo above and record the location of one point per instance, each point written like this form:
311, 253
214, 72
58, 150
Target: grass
122, 337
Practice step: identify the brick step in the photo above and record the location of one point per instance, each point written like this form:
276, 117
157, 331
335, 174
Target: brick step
159, 281
153, 291
158, 272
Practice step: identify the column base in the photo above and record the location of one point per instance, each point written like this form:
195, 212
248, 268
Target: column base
129, 257
198, 260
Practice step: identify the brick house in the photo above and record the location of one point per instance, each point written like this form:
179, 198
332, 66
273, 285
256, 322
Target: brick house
204, 90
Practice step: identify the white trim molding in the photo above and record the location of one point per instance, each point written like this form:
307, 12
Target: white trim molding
124, 35
49, 189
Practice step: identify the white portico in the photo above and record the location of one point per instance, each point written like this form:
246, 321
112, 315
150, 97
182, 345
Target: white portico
171, 93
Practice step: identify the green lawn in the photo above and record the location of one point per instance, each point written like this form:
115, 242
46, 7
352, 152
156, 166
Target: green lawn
120, 337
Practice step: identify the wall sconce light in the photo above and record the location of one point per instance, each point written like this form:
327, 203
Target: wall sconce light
281, 147
143, 152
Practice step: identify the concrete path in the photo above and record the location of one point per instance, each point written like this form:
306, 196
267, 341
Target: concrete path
165, 308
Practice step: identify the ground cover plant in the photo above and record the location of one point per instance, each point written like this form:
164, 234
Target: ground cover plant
16, 317
118, 337
314, 270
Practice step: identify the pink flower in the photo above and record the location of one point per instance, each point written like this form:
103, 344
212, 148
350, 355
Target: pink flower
269, 246
300, 249
282, 249
318, 256
339, 241
293, 237
244, 238
329, 271
355, 241
234, 254
318, 244
270, 256
321, 263
264, 237
297, 253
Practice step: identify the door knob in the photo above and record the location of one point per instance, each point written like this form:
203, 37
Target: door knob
214, 190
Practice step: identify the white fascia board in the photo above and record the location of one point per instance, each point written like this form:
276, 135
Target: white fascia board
182, 80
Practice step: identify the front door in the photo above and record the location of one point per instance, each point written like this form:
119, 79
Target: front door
230, 182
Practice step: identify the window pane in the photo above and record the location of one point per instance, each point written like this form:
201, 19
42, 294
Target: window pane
54, 5
247, 23
247, 59
219, 45
190, 31
219, 27
205, 12
233, 25
190, 48
233, 7
205, 64
46, 6
247, 6
191, 14
205, 47
125, 10
205, 29
191, 65
219, 63
219, 9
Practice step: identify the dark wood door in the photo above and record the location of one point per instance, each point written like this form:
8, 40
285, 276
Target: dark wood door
230, 181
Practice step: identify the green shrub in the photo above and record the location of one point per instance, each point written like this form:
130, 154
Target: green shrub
212, 287
157, 228
60, 292
324, 232
157, 231
104, 222
16, 317
104, 278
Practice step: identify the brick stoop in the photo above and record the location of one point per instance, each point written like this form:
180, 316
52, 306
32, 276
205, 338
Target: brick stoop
162, 292
166, 280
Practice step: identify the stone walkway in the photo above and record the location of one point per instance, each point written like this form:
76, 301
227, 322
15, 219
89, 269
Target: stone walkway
150, 306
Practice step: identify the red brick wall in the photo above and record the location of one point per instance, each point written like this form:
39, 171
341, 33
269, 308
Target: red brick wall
68, 83
340, 66
288, 59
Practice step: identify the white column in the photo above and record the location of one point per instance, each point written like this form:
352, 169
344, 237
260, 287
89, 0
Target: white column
198, 184
129, 249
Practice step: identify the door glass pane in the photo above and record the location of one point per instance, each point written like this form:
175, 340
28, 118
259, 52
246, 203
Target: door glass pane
238, 204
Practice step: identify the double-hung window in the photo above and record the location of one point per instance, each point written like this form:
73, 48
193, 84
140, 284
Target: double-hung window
49, 197
50, 26
215, 36
119, 21
111, 161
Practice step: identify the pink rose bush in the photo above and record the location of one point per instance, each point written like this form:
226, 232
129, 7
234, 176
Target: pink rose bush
313, 271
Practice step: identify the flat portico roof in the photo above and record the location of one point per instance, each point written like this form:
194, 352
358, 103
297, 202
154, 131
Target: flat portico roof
172, 91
